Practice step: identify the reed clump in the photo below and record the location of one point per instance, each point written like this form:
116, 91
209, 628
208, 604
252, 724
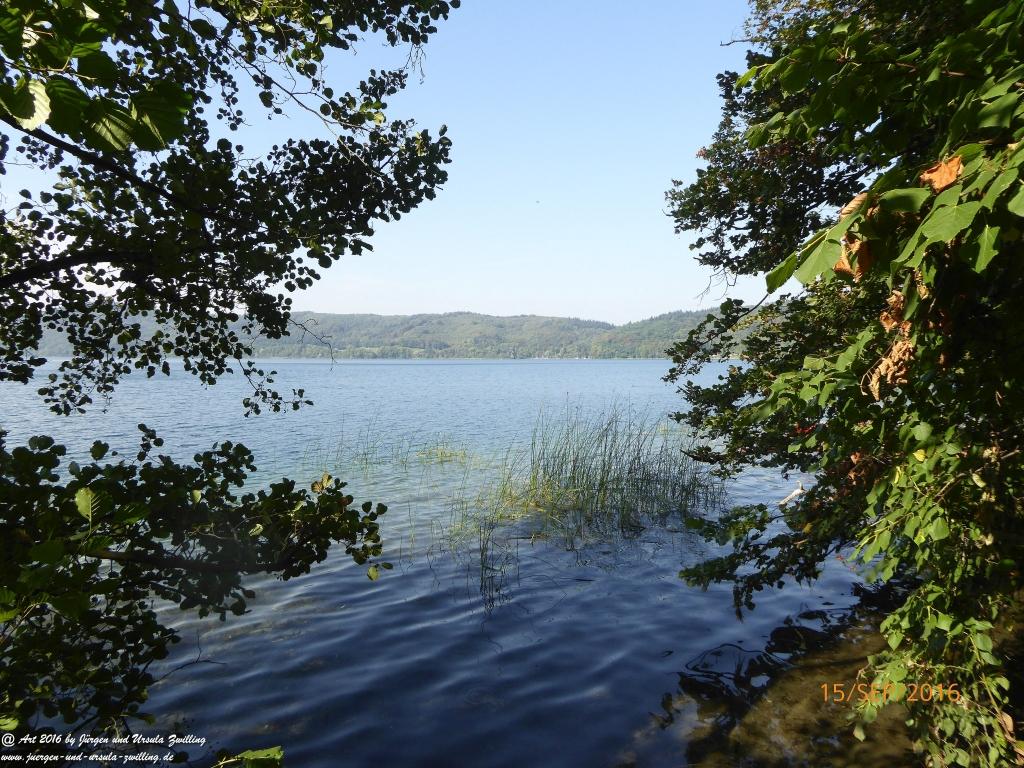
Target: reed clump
441, 452
591, 476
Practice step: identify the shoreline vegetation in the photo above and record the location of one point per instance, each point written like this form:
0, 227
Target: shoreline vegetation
455, 335
579, 476
588, 476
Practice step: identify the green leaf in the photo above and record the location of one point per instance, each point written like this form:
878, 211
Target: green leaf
67, 105
272, 757
12, 29
28, 104
160, 114
89, 39
746, 77
1002, 182
922, 431
373, 573
1002, 86
97, 66
821, 259
999, 113
970, 152
983, 642
778, 276
85, 500
944, 224
8, 723
938, 530
131, 513
908, 200
794, 77
110, 127
72, 604
883, 540
948, 196
1016, 203
986, 247
203, 28
47, 552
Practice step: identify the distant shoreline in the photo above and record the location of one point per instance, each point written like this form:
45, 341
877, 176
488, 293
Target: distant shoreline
455, 335
346, 359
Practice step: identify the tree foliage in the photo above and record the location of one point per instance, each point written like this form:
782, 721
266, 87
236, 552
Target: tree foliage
156, 237
893, 376
155, 211
85, 554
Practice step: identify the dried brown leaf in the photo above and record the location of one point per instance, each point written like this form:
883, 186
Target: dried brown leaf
943, 173
853, 205
893, 316
874, 384
842, 267
893, 369
922, 287
1007, 723
862, 252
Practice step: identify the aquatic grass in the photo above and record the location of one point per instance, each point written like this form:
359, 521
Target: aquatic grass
441, 451
605, 466
371, 451
587, 477
580, 477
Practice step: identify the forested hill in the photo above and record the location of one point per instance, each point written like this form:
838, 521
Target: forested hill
467, 334
462, 334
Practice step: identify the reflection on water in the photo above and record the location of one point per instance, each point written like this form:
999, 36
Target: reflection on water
496, 640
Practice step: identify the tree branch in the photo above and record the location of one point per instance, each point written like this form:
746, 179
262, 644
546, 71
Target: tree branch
99, 161
89, 256
187, 564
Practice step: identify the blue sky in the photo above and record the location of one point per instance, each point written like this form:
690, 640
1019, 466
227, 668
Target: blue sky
569, 120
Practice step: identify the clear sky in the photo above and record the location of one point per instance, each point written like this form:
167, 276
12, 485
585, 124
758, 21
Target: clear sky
569, 120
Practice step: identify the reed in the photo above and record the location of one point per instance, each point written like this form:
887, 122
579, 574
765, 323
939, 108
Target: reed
586, 477
442, 451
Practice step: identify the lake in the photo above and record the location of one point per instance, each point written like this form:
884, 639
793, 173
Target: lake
496, 645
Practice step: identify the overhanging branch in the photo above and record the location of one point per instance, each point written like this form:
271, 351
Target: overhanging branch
165, 561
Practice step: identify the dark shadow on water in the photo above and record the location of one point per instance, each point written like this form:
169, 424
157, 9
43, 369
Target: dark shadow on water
764, 708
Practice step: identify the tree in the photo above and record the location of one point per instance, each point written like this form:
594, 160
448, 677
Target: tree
893, 375
155, 213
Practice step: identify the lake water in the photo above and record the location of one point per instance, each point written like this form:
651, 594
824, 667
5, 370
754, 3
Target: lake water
504, 649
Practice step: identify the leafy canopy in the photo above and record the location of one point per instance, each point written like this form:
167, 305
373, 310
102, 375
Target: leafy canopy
158, 234
155, 212
894, 375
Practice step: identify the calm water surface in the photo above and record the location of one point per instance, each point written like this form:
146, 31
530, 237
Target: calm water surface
509, 650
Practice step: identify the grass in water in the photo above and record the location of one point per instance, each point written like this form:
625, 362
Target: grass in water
585, 478
441, 452
370, 451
